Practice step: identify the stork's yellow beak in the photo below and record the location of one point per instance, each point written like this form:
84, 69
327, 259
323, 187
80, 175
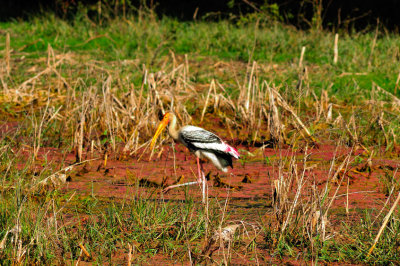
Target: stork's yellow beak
163, 124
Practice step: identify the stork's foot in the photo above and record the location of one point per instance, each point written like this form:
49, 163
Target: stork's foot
166, 190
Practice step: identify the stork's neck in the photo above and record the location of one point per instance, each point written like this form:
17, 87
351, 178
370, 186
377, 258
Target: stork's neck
172, 128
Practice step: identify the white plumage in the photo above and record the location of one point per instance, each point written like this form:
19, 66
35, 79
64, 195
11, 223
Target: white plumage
203, 143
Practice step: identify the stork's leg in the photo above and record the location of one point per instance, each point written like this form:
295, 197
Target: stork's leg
200, 179
199, 170
204, 183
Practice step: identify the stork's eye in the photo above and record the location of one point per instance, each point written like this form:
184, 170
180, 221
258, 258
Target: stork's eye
160, 115
166, 116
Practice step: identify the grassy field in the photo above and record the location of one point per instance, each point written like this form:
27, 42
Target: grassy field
82, 92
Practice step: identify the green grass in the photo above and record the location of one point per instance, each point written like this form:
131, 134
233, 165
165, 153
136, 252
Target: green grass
148, 40
351, 246
46, 225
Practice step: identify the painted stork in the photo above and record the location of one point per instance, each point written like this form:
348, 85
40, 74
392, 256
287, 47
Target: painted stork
202, 143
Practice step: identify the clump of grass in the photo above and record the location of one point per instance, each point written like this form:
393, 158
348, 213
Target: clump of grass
301, 222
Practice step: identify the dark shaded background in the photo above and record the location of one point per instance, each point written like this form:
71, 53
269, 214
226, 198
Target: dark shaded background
357, 14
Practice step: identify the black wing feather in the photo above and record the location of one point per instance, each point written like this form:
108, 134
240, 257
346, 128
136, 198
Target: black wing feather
201, 135
225, 159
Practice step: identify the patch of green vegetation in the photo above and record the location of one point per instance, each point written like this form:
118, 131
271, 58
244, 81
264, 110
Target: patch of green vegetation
363, 57
103, 230
352, 246
47, 226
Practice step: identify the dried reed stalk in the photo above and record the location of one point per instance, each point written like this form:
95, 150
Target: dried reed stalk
287, 107
85, 250
394, 98
380, 122
303, 50
50, 56
329, 113
385, 221
384, 205
300, 184
64, 81
249, 86
38, 129
130, 254
335, 49
212, 86
275, 125
5, 87
108, 108
80, 134
344, 165
41, 73
7, 55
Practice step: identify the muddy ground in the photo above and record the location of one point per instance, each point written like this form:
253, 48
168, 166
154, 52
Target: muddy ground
248, 184
248, 187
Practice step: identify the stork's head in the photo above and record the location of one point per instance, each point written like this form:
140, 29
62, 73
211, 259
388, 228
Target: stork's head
163, 124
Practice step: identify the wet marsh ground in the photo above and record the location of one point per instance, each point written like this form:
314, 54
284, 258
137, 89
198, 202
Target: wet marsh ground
318, 174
